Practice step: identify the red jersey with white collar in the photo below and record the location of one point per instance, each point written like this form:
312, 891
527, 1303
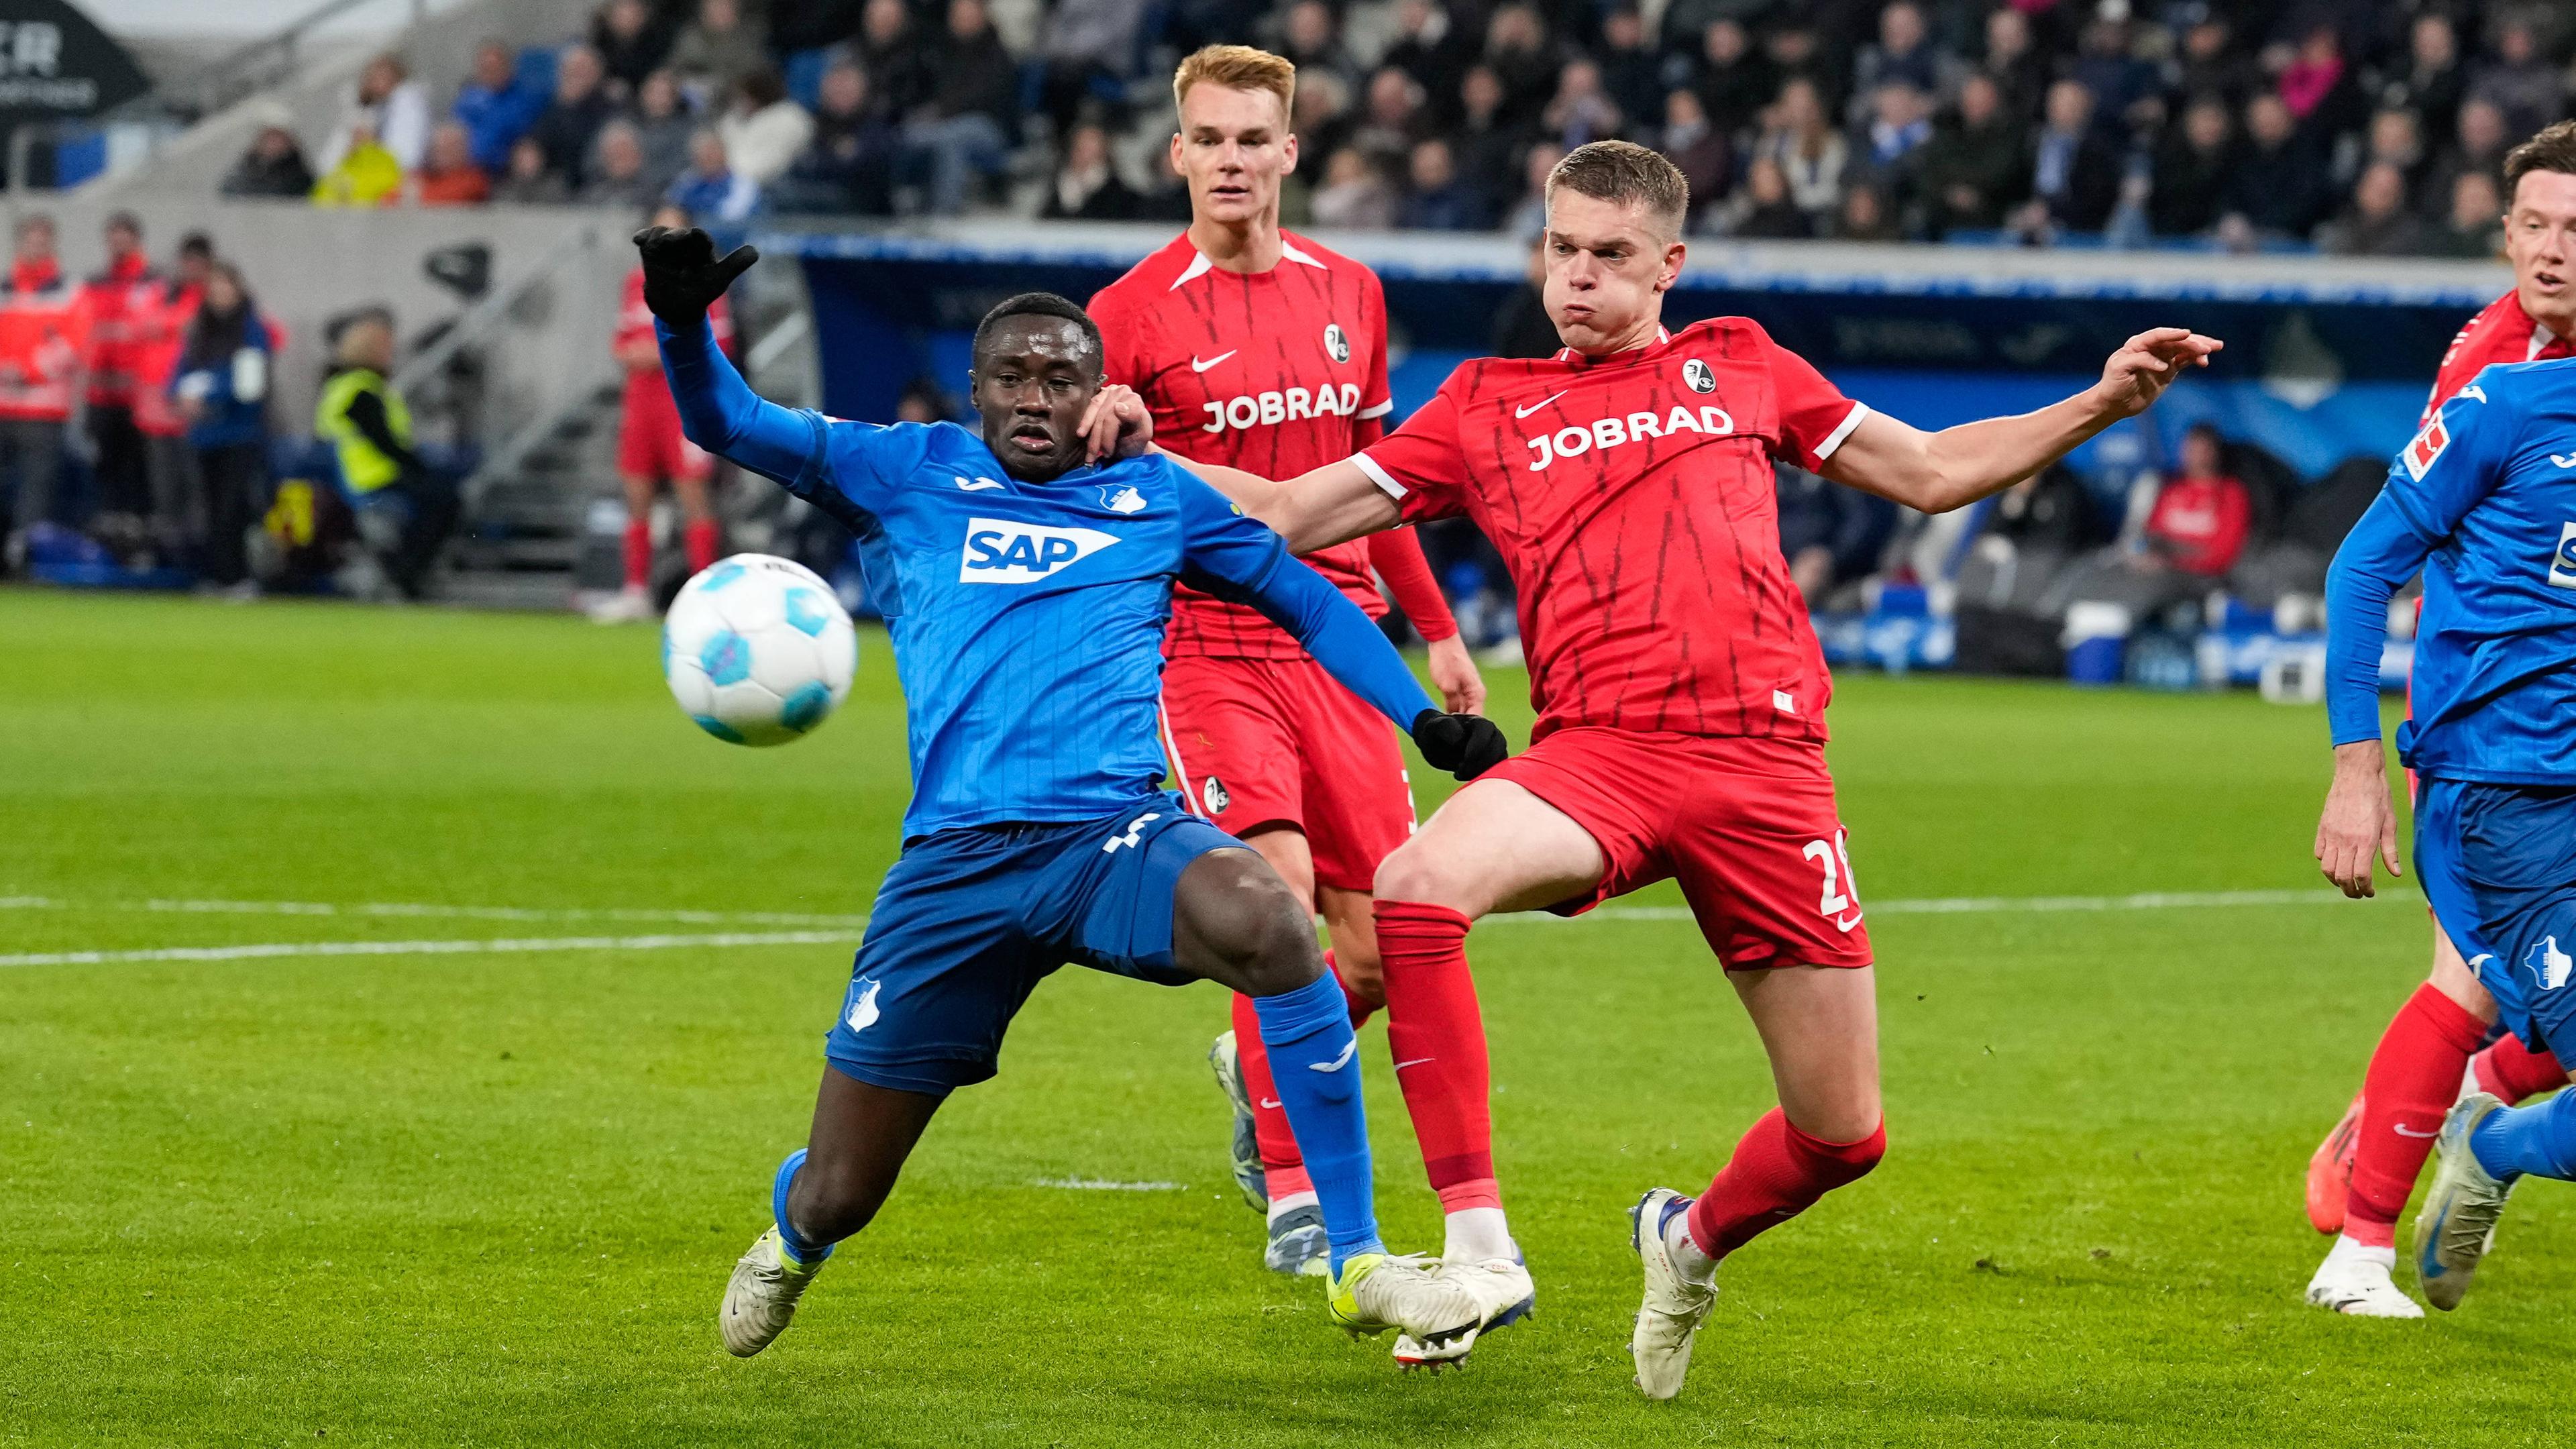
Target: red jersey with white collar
2502, 333
1631, 496
1277, 373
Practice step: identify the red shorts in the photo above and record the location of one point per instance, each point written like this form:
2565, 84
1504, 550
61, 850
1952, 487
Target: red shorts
1747, 826
650, 443
1255, 742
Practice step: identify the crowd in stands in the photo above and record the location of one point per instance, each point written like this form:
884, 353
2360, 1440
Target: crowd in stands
2368, 127
135, 424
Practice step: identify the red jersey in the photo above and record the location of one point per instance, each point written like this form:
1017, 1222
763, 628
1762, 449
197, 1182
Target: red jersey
635, 324
2502, 333
1277, 373
1631, 497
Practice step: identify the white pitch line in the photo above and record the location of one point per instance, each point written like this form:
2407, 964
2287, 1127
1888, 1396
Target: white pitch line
1986, 905
849, 927
1100, 1184
271, 949
416, 910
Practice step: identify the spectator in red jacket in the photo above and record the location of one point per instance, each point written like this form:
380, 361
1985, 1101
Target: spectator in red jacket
42, 337
2200, 520
119, 300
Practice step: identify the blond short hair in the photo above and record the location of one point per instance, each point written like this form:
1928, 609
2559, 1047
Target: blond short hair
1625, 173
1237, 68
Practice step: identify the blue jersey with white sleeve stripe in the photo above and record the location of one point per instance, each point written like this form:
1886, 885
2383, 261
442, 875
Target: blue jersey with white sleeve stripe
1027, 618
2483, 501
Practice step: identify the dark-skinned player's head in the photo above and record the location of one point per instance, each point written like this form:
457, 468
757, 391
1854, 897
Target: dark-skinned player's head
1037, 362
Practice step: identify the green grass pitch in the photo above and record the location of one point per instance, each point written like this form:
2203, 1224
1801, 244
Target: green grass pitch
490, 1197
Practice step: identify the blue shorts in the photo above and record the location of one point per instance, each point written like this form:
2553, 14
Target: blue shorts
969, 921
2500, 860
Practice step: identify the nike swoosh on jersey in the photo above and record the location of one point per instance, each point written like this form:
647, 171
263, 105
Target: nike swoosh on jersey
1198, 366
1534, 407
1842, 925
1349, 1049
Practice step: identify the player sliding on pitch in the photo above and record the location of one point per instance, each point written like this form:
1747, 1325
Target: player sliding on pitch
1681, 693
2481, 502
1026, 590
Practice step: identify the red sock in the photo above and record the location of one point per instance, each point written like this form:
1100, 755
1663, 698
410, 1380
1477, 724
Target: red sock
1279, 1154
2414, 1076
1776, 1172
1437, 1035
1361, 1010
699, 538
2514, 1071
639, 553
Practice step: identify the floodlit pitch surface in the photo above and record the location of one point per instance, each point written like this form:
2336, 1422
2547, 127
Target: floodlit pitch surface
371, 1186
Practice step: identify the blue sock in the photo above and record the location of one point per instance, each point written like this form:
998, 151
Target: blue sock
1315, 1068
802, 1251
2540, 1140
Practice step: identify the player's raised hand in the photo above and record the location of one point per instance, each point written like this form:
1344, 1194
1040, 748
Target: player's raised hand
683, 276
1454, 674
2148, 363
2359, 826
1115, 421
1466, 745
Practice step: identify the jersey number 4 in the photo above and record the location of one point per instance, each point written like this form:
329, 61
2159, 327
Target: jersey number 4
1841, 899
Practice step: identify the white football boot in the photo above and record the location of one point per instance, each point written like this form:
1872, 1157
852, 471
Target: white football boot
1501, 1287
2356, 1280
760, 1298
1436, 1319
2456, 1225
1674, 1307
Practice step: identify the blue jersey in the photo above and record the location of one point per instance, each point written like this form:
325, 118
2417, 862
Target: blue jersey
2484, 502
1027, 618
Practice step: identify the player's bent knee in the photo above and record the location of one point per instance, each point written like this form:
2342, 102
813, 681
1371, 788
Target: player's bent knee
1236, 923
1410, 873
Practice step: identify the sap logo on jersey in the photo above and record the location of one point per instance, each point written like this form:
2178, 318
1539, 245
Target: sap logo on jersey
2562, 564
999, 551
1611, 432
1332, 400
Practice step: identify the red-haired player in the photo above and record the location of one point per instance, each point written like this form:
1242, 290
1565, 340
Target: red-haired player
1258, 348
651, 449
2360, 1176
1627, 483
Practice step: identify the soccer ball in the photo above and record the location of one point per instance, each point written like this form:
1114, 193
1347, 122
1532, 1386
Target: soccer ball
757, 650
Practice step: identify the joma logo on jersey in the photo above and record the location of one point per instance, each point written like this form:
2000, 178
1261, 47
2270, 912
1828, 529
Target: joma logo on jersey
1611, 432
1001, 552
1329, 401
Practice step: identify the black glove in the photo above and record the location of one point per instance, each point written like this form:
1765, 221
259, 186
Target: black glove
682, 275
1466, 745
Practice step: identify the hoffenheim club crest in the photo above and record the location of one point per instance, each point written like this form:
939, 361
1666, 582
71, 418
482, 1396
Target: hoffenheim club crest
1121, 498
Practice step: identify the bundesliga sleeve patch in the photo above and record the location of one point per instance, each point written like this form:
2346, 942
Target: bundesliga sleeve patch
2428, 445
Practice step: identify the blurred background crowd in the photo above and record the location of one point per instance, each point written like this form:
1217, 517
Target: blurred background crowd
2366, 127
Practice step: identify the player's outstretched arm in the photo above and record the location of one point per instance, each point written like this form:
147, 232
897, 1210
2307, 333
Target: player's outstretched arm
1937, 472
1333, 504
718, 410
1231, 556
